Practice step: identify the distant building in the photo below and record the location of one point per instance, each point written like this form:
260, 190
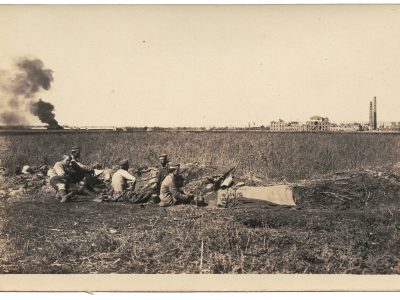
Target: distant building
389, 126
340, 127
395, 126
278, 126
318, 123
294, 126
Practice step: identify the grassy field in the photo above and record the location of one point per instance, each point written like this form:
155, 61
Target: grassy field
347, 218
291, 156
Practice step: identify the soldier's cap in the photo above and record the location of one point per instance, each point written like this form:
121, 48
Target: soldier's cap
173, 167
124, 162
42, 166
163, 155
76, 149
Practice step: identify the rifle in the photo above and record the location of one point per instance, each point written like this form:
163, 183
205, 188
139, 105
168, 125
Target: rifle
218, 183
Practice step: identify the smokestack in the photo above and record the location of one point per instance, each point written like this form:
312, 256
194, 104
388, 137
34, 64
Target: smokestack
375, 119
371, 120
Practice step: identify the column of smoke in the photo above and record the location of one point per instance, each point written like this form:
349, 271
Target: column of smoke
44, 111
19, 90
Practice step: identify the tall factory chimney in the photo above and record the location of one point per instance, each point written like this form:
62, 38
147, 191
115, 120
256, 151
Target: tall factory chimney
371, 115
375, 120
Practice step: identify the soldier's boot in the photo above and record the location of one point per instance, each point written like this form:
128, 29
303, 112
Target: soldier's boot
67, 197
154, 199
62, 194
199, 201
190, 200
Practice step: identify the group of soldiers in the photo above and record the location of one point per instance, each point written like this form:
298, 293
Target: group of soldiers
164, 188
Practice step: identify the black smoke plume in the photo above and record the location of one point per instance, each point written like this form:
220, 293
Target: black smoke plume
31, 78
44, 110
19, 89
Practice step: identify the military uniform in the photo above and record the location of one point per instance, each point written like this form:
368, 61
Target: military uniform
59, 176
78, 170
162, 173
119, 181
170, 193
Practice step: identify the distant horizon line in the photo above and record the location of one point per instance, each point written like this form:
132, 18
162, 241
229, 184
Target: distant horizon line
252, 124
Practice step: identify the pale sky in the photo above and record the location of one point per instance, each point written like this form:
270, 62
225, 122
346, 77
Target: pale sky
209, 65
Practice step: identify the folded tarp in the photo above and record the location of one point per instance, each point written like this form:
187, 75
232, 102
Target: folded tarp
274, 195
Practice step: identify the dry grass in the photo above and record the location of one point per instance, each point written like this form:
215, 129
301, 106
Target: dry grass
102, 238
344, 223
269, 155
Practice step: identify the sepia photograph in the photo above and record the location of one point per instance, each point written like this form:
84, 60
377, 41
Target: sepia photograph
205, 145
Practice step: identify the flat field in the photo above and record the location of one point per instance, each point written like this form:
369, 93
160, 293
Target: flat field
346, 187
290, 156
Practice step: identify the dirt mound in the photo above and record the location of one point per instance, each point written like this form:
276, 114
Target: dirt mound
196, 176
345, 191
353, 189
17, 186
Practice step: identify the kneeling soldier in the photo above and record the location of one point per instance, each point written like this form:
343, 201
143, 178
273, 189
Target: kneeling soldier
119, 180
80, 172
59, 178
170, 193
